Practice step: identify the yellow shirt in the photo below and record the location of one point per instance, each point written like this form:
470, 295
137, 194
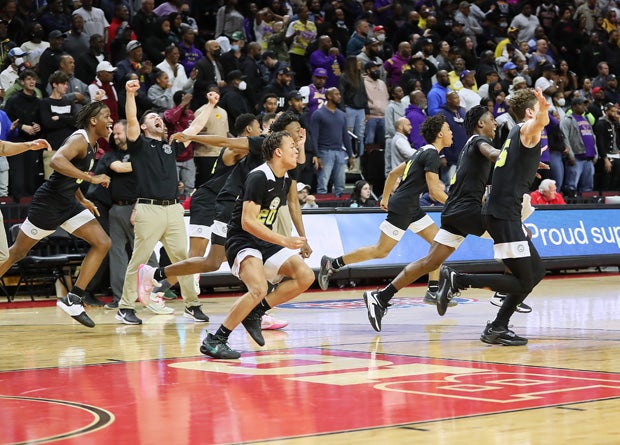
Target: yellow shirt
216, 125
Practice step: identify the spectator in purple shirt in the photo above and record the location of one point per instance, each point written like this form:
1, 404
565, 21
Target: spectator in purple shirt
190, 54
396, 65
416, 115
328, 58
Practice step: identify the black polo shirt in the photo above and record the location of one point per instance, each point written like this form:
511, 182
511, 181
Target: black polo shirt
154, 163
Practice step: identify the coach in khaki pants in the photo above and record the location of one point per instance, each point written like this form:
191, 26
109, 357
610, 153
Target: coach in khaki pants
157, 215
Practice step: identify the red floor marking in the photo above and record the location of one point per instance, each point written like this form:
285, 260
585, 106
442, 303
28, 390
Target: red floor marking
277, 394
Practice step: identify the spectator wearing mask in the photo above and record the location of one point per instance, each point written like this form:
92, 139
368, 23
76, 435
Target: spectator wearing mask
15, 59
232, 98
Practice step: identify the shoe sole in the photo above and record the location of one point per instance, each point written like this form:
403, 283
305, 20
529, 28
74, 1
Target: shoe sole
144, 293
323, 276
124, 321
198, 320
256, 336
78, 315
274, 326
371, 319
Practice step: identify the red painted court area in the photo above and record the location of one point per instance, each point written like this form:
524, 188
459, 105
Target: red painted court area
263, 396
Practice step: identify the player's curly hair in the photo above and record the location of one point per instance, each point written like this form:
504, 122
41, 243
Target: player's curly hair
431, 127
472, 118
521, 100
283, 120
273, 141
88, 111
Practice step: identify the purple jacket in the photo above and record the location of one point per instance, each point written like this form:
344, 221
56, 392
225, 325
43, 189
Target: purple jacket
319, 59
394, 67
416, 116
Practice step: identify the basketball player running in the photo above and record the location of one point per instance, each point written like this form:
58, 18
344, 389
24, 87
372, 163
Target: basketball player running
461, 215
420, 173
256, 254
60, 203
224, 205
513, 175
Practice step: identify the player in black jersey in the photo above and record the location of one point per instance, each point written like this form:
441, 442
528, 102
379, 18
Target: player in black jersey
60, 203
202, 203
420, 173
513, 175
461, 214
256, 254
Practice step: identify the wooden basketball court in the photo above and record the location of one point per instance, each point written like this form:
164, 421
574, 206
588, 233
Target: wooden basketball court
327, 378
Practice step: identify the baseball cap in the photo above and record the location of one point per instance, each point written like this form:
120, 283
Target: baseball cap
234, 75
596, 90
547, 67
378, 28
133, 45
16, 52
371, 64
371, 41
301, 186
105, 66
610, 77
509, 66
464, 73
320, 72
286, 70
237, 35
578, 100
517, 80
513, 29
186, 28
294, 95
269, 54
457, 23
608, 105
55, 34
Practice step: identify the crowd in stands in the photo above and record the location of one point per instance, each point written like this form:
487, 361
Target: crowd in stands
392, 63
